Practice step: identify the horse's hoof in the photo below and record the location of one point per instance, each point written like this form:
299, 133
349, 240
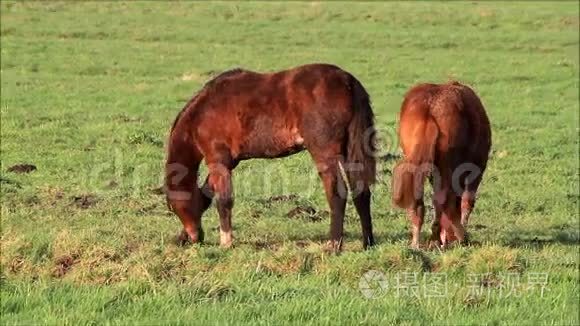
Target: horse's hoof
435, 244
184, 239
368, 246
200, 235
226, 245
466, 241
368, 243
226, 239
333, 246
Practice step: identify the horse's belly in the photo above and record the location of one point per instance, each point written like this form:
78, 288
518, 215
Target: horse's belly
279, 144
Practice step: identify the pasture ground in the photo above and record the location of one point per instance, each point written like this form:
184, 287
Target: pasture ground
89, 91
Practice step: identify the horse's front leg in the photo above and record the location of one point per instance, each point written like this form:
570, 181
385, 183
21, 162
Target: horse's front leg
202, 200
335, 189
438, 234
185, 199
467, 203
453, 226
220, 183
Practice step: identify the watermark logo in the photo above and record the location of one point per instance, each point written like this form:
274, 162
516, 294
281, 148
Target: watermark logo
373, 284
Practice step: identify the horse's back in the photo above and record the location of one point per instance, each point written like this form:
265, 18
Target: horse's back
272, 114
268, 93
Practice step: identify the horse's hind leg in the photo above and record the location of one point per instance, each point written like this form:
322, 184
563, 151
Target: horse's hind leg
468, 199
452, 212
362, 203
416, 214
336, 192
437, 239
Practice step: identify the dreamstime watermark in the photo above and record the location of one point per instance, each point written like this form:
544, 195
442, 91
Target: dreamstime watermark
375, 284
122, 170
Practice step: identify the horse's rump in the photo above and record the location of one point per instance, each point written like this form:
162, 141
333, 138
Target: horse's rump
444, 129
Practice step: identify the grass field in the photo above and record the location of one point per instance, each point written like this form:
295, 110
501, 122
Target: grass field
89, 91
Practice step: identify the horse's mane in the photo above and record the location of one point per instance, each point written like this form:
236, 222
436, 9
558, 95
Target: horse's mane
209, 84
222, 76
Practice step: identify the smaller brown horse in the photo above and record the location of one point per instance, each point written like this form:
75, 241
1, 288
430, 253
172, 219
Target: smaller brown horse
445, 134
241, 115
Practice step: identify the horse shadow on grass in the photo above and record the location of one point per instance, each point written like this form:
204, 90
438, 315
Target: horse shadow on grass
563, 235
380, 238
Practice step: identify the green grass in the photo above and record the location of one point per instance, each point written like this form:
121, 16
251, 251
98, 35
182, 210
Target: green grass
89, 91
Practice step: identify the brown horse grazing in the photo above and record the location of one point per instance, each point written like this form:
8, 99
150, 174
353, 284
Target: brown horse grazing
242, 114
445, 134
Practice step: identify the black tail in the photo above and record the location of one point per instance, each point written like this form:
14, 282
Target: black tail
361, 147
